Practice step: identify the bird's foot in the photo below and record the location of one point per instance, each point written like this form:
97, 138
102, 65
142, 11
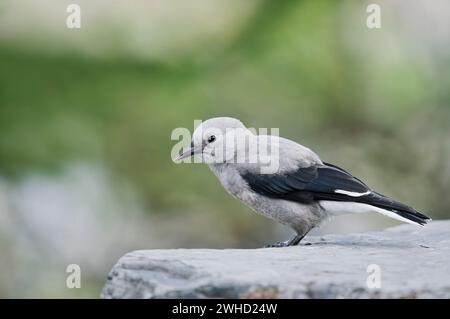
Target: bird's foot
291, 242
278, 244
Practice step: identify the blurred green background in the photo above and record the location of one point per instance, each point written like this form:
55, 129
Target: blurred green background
86, 117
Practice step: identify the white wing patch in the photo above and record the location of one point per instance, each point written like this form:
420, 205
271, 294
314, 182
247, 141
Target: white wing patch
353, 194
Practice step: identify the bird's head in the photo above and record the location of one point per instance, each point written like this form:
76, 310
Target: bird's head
216, 139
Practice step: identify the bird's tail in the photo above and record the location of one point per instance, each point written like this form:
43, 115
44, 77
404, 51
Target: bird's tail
396, 210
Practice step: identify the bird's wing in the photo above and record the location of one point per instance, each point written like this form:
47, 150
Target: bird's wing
325, 182
306, 184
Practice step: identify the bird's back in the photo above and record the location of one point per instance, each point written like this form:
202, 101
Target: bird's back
284, 154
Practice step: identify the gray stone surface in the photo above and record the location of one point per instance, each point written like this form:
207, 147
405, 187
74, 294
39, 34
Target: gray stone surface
414, 263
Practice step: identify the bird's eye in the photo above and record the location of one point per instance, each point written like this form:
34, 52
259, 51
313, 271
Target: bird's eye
211, 139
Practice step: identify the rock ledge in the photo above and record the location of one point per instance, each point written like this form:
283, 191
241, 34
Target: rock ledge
412, 262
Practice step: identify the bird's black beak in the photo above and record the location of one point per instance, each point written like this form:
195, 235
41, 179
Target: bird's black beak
191, 151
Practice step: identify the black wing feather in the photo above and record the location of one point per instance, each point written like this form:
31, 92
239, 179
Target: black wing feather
320, 182
322, 179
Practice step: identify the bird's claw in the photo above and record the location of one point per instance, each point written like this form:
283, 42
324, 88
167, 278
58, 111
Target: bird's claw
278, 244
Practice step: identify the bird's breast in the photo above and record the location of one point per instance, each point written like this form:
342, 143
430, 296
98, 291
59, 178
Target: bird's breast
232, 181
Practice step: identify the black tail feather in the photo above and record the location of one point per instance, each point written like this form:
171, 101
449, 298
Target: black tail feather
405, 211
415, 217
380, 201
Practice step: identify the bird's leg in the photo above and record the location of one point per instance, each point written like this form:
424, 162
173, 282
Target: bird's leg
295, 240
291, 242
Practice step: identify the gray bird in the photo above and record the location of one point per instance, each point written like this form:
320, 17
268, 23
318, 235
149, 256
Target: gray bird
302, 192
